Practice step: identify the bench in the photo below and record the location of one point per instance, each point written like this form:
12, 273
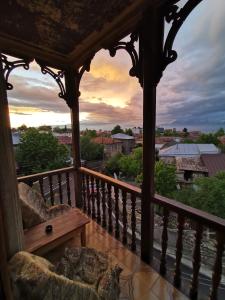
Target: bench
65, 227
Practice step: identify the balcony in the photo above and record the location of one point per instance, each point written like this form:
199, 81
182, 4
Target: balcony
184, 256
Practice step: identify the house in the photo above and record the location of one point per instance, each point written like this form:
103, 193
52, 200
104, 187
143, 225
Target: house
214, 163
111, 146
128, 142
16, 139
63, 37
137, 130
189, 168
188, 150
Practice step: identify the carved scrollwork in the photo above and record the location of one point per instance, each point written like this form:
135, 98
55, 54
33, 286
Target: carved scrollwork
177, 17
9, 66
130, 48
57, 76
84, 68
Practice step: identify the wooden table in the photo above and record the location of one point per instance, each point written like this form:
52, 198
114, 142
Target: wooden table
37, 241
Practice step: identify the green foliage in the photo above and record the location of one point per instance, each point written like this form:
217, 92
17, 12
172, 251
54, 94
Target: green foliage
45, 128
208, 195
208, 138
165, 178
58, 129
117, 129
220, 132
22, 127
89, 150
112, 165
40, 152
128, 131
90, 133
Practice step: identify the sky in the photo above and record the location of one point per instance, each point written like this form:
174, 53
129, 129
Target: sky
191, 93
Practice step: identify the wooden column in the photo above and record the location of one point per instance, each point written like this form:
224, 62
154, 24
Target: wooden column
9, 200
151, 45
72, 93
4, 274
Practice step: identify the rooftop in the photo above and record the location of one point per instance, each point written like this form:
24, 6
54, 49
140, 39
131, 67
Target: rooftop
122, 136
105, 140
189, 150
214, 163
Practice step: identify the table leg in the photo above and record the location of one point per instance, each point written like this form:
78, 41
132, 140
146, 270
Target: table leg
83, 236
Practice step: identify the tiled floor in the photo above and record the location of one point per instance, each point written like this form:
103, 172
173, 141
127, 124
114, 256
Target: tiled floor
138, 280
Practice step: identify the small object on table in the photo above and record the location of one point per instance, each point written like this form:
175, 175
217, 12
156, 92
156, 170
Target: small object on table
48, 229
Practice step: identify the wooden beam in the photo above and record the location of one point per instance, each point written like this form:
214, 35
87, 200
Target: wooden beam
72, 94
8, 182
4, 273
151, 45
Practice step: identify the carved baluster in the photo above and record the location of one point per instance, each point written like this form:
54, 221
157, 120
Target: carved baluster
217, 270
196, 262
88, 195
60, 188
51, 190
68, 188
133, 222
124, 200
41, 184
164, 241
93, 197
98, 202
84, 193
110, 227
117, 212
179, 249
103, 204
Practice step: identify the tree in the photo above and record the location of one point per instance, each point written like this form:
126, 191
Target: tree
90, 133
220, 132
208, 195
40, 152
208, 138
22, 128
128, 131
112, 165
90, 150
117, 129
45, 128
165, 178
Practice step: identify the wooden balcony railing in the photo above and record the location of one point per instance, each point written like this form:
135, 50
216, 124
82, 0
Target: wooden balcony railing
105, 199
55, 186
116, 206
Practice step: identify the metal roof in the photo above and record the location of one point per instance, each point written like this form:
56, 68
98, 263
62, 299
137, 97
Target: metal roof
189, 150
214, 163
122, 136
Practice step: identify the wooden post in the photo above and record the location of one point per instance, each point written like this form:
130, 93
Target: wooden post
151, 46
72, 93
4, 274
9, 200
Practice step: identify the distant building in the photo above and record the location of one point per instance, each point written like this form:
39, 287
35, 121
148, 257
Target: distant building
16, 139
111, 146
128, 142
65, 140
160, 130
214, 163
188, 150
189, 168
137, 130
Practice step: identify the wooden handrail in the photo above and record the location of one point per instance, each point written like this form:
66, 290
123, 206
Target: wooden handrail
115, 182
195, 214
191, 212
44, 174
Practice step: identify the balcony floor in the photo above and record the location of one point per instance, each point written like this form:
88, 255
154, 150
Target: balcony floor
138, 281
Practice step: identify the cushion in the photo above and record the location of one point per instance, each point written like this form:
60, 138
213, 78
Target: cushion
34, 209
33, 278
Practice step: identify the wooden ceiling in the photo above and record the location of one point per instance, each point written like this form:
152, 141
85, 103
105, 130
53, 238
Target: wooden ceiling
65, 32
